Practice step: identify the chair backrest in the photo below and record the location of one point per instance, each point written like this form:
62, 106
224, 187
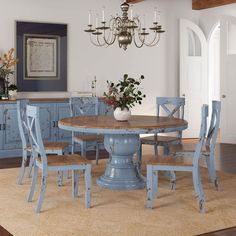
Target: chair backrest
214, 125
35, 137
22, 121
172, 106
83, 106
198, 148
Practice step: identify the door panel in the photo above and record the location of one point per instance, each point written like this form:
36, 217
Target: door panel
193, 74
228, 81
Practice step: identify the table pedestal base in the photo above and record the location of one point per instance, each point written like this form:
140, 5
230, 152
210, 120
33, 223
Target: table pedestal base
121, 172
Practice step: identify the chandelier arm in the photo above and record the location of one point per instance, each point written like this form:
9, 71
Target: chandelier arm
94, 43
154, 43
111, 36
135, 43
101, 44
107, 41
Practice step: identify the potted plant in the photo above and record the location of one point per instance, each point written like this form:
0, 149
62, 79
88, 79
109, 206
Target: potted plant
12, 91
7, 63
123, 96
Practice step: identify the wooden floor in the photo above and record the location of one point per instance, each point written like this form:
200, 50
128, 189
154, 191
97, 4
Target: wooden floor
225, 160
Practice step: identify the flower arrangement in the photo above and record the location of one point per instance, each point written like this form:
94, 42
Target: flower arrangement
7, 63
124, 94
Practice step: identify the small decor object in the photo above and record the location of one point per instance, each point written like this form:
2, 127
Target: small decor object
12, 91
93, 86
123, 96
7, 63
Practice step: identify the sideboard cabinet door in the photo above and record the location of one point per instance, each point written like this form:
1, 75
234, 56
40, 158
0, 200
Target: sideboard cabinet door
11, 134
47, 121
63, 111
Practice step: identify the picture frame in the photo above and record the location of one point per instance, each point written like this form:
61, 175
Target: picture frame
42, 52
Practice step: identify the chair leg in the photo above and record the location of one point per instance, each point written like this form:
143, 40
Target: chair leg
198, 188
155, 149
173, 180
72, 146
60, 178
88, 186
166, 150
42, 192
75, 183
155, 183
139, 156
33, 183
97, 153
149, 186
83, 149
23, 165
212, 171
31, 163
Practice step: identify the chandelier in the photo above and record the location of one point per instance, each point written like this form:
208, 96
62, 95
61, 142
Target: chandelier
123, 29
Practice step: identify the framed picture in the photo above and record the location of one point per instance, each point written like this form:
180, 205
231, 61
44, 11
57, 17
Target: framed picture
42, 52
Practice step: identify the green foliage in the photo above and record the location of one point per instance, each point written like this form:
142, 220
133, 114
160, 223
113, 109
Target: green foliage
124, 94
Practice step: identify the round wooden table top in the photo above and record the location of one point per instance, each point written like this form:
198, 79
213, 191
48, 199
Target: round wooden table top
137, 124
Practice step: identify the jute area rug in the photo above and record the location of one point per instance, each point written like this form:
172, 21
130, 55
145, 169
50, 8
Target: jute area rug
116, 212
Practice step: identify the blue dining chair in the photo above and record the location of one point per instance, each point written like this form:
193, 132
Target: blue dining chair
85, 106
50, 147
58, 163
178, 163
208, 151
172, 107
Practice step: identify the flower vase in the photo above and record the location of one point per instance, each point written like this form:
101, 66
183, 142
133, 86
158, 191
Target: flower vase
12, 94
122, 115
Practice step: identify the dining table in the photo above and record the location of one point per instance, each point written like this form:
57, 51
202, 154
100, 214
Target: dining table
122, 141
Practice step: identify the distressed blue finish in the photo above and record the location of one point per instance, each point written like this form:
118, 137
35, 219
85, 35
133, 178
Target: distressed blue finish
152, 169
210, 143
121, 143
121, 148
50, 113
172, 107
9, 132
41, 162
26, 149
85, 106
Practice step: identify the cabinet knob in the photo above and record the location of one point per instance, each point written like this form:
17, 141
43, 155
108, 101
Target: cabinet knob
183, 95
223, 96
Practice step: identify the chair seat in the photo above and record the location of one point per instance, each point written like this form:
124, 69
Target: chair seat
169, 160
87, 138
65, 160
189, 148
53, 146
160, 139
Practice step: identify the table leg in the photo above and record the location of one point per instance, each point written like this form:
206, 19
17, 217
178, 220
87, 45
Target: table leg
121, 173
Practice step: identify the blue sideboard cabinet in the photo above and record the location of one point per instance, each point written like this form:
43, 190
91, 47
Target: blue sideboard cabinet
51, 110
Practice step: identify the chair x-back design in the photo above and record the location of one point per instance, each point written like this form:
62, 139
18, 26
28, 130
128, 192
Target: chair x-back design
50, 147
85, 106
58, 163
177, 163
209, 148
172, 107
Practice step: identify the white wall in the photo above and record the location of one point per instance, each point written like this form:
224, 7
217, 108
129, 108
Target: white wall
159, 64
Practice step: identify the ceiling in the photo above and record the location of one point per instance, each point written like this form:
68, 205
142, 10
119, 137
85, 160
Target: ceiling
200, 4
